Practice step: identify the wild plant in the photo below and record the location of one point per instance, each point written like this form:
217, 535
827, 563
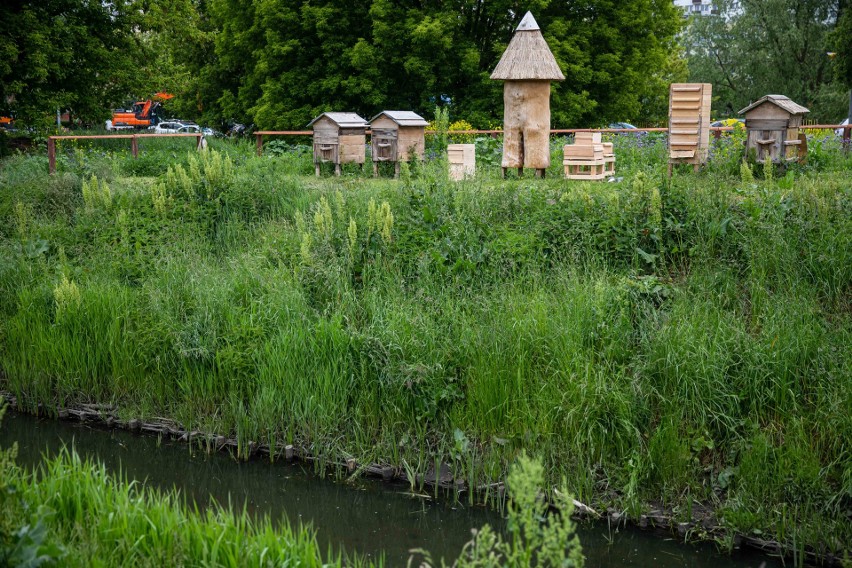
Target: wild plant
96, 194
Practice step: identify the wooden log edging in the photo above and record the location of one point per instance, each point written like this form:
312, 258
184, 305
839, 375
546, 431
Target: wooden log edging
658, 520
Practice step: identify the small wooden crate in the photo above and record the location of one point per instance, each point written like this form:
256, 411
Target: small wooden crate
588, 158
689, 123
584, 162
462, 159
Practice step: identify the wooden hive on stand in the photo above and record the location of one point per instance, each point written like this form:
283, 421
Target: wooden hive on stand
339, 138
396, 136
462, 160
772, 126
527, 68
689, 123
588, 158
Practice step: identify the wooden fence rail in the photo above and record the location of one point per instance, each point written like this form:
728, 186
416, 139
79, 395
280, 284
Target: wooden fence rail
717, 132
134, 143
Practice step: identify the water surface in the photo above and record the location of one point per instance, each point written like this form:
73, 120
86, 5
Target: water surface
367, 516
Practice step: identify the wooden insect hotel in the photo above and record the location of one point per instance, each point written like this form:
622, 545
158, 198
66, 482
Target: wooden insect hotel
772, 126
339, 138
588, 158
689, 123
462, 160
527, 68
397, 135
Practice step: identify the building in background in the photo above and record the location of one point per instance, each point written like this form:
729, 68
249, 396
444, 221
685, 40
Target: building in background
696, 7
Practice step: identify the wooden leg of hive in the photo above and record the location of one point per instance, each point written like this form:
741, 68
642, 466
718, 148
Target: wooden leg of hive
316, 168
375, 169
503, 175
396, 170
337, 169
670, 169
520, 172
695, 168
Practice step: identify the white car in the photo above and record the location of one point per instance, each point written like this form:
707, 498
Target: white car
175, 127
839, 131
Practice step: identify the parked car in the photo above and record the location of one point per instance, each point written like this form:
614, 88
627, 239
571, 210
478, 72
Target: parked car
839, 131
622, 125
190, 129
174, 126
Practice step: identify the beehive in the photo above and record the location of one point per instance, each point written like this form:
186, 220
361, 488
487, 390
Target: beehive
772, 127
339, 138
689, 123
588, 158
397, 135
462, 161
527, 67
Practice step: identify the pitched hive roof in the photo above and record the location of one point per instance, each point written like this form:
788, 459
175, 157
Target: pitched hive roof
778, 100
344, 119
403, 117
527, 57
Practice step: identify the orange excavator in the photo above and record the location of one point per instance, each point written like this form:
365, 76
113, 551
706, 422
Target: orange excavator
142, 114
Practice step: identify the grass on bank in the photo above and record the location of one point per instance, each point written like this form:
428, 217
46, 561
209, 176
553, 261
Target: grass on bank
664, 342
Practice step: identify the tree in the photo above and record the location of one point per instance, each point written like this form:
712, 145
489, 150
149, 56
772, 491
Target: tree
279, 63
757, 47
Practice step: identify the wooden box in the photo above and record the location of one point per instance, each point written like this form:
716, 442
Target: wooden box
462, 160
689, 123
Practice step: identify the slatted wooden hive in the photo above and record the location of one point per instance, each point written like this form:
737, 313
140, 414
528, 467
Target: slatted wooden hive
772, 126
397, 135
339, 138
462, 160
689, 123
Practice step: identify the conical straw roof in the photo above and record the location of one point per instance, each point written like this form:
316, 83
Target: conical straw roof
527, 58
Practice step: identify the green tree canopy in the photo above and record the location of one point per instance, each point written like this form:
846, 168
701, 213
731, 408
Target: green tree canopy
279, 63
759, 47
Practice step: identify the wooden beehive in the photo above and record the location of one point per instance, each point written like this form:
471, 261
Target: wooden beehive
397, 135
772, 127
588, 158
339, 138
527, 68
462, 160
689, 123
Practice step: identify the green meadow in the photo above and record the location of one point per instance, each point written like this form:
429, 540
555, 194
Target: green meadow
676, 343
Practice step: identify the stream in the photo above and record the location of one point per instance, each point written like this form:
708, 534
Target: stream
367, 517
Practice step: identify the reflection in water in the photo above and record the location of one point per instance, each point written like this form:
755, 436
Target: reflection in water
367, 517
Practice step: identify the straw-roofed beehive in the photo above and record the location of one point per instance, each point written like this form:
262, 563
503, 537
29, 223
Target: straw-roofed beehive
527, 67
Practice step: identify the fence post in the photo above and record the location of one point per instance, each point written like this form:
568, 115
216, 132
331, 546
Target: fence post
51, 155
259, 143
717, 134
134, 147
847, 134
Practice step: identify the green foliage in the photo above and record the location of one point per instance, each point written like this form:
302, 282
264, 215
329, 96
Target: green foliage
536, 537
755, 47
420, 321
280, 63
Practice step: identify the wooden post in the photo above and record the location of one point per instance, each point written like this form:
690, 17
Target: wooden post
51, 155
717, 134
134, 147
198, 143
847, 137
259, 143
337, 169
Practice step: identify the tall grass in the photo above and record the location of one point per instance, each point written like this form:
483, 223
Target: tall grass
679, 340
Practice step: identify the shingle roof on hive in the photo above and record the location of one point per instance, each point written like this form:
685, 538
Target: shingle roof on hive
527, 57
403, 117
344, 119
778, 100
